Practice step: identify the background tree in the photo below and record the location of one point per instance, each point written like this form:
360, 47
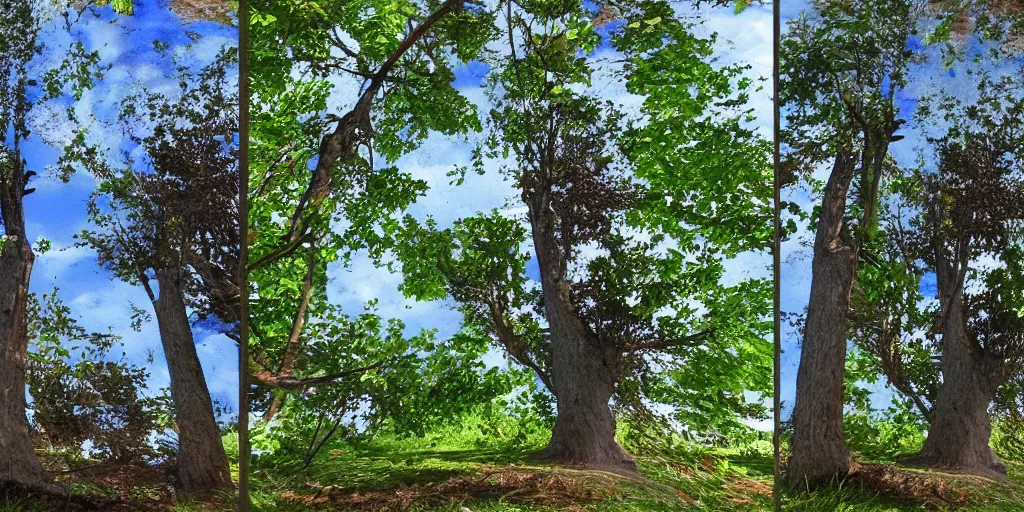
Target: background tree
894, 318
631, 301
167, 214
841, 68
966, 232
27, 79
975, 209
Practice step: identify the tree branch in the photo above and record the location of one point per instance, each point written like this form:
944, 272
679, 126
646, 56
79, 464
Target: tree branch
344, 141
267, 378
513, 343
692, 340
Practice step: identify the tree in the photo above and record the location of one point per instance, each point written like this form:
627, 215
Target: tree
27, 80
630, 301
298, 339
352, 202
967, 211
955, 353
974, 209
170, 217
840, 72
970, 209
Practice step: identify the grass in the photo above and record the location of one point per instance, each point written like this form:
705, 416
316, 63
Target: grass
894, 488
459, 469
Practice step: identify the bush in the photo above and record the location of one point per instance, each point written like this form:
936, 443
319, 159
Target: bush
884, 438
93, 402
1008, 438
81, 399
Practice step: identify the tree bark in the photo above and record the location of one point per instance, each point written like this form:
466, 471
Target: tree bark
818, 451
584, 369
202, 463
958, 437
584, 432
18, 461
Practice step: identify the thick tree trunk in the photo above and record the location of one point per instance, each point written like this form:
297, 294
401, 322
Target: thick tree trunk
584, 369
958, 437
202, 464
18, 461
819, 453
584, 377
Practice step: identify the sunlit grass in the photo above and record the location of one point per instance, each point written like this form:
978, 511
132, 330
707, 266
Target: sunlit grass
458, 467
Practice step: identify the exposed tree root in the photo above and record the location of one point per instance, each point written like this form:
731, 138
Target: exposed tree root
932, 491
16, 494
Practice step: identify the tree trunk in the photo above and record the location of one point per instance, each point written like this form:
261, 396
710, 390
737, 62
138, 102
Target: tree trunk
584, 369
202, 464
818, 451
18, 461
958, 437
584, 377
584, 433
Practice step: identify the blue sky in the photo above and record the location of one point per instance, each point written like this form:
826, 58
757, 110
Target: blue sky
745, 38
57, 210
925, 79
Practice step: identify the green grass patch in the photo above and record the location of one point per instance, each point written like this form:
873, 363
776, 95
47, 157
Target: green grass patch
467, 467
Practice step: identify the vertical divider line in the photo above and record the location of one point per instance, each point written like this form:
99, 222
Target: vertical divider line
243, 281
776, 263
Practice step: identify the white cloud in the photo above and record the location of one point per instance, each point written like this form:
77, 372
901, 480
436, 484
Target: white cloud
59, 260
